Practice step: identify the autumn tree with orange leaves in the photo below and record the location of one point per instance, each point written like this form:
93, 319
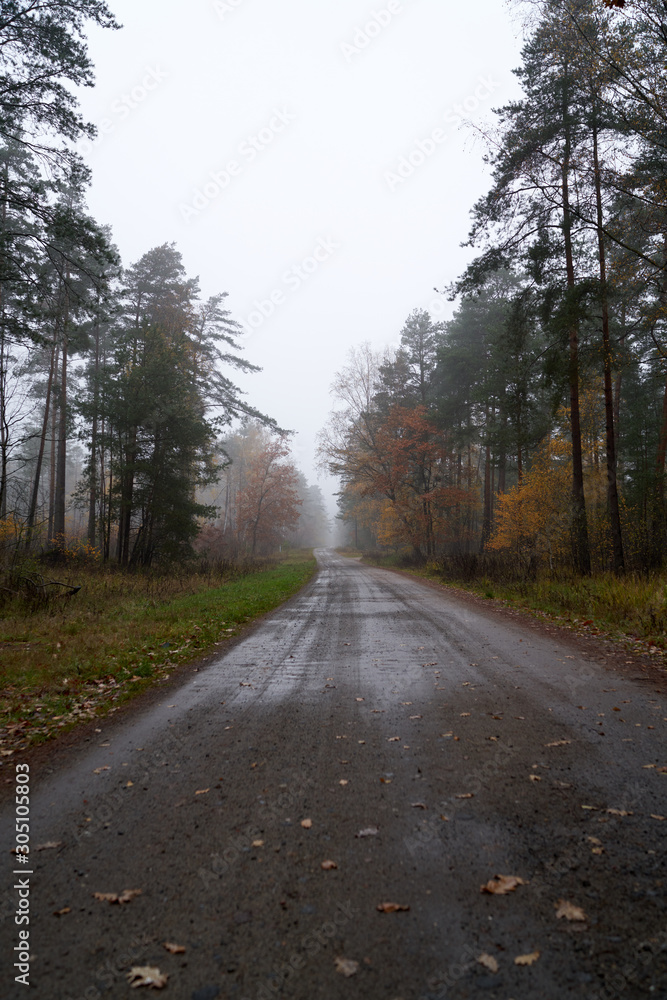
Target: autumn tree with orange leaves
394, 463
268, 502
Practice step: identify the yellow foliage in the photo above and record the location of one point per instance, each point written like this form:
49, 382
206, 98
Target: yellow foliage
533, 518
9, 531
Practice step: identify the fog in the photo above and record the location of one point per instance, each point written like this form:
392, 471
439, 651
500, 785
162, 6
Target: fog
315, 160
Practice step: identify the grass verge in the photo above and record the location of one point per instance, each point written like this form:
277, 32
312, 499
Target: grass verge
81, 657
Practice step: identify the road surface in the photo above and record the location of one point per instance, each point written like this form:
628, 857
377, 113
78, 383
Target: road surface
421, 743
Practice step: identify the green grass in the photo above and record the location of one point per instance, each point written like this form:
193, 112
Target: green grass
78, 658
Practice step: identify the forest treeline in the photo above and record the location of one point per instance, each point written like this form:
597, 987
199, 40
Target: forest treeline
532, 426
118, 415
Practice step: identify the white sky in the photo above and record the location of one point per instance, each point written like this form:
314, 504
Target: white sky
186, 88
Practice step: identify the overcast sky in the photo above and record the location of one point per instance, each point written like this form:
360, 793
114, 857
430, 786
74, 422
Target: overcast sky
306, 157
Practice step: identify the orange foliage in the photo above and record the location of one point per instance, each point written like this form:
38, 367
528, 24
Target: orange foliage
533, 518
268, 501
411, 470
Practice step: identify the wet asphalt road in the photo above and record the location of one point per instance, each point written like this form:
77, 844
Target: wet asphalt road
473, 743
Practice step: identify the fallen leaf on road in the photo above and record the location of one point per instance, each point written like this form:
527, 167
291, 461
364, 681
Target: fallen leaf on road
594, 840
370, 831
386, 781
656, 816
328, 866
465, 795
359, 699
347, 966
50, 845
500, 885
173, 949
393, 739
203, 791
465, 715
534, 777
445, 818
361, 741
415, 716
129, 784
306, 823
527, 959
648, 767
113, 897
569, 910
98, 770
258, 843
391, 908
343, 781
558, 743
61, 913
243, 685
488, 961
590, 808
618, 812
418, 805
147, 975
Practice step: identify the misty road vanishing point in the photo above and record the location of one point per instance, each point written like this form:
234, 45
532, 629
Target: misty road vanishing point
375, 741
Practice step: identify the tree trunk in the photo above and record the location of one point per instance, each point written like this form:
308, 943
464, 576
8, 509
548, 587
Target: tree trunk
581, 550
52, 452
486, 518
617, 386
612, 481
92, 493
61, 461
32, 512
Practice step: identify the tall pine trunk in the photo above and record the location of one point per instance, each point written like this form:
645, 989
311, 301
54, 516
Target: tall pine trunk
34, 496
612, 481
581, 550
61, 459
92, 491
